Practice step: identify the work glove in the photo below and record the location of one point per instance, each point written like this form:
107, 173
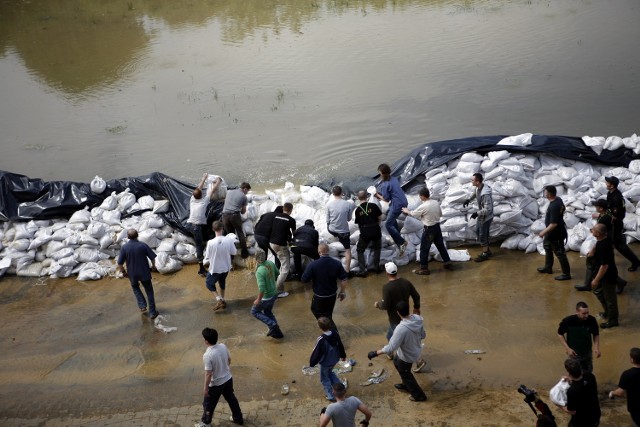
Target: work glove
466, 203
474, 215
372, 354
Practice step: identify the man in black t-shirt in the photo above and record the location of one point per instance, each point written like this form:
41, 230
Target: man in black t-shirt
582, 396
576, 333
554, 235
616, 205
282, 229
368, 220
606, 275
305, 242
629, 384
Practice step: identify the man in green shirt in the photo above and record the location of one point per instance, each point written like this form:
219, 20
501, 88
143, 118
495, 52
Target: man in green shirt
266, 274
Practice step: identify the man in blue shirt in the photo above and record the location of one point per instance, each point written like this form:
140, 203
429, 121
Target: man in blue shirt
325, 272
137, 255
391, 192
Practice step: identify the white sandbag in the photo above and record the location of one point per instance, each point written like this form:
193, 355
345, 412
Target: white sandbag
111, 217
96, 214
467, 168
314, 197
577, 235
146, 202
5, 263
632, 193
567, 173
571, 220
335, 249
612, 143
497, 156
221, 191
458, 255
25, 230
512, 242
631, 222
39, 241
73, 240
149, 237
623, 174
126, 199
92, 271
60, 271
471, 157
543, 180
301, 213
587, 245
85, 254
184, 248
494, 173
97, 229
21, 260
529, 163
189, 257
106, 241
20, 245
34, 269
69, 261
524, 243
110, 202
166, 264
522, 140
77, 226
454, 224
52, 247
167, 245
98, 185
411, 225
161, 206
86, 239
151, 220
510, 188
81, 216
558, 393
596, 143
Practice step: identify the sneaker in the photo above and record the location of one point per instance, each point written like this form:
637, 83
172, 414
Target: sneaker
418, 399
241, 422
143, 310
277, 333
201, 424
403, 248
219, 305
419, 365
482, 257
283, 294
154, 315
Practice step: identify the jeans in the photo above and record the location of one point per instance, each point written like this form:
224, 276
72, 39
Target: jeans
363, 242
392, 226
263, 312
482, 231
233, 224
285, 264
212, 278
148, 288
198, 237
297, 256
409, 381
327, 379
555, 246
432, 235
211, 401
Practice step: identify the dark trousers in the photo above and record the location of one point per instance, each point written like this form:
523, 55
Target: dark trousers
432, 235
142, 302
233, 224
263, 243
363, 243
620, 243
198, 231
555, 246
323, 306
211, 401
297, 256
409, 381
589, 274
606, 294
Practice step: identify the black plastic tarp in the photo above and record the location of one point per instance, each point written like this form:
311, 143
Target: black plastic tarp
23, 198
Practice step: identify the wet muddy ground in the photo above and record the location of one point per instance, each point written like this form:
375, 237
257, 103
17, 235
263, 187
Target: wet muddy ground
73, 351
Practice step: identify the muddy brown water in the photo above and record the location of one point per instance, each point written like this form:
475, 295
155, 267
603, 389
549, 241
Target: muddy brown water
76, 349
300, 90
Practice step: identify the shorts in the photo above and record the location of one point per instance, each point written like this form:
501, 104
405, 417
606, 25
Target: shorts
344, 238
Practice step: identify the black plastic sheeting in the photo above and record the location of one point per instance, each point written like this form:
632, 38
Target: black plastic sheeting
23, 198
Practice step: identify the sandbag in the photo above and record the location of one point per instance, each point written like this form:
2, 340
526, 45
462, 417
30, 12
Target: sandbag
166, 264
98, 185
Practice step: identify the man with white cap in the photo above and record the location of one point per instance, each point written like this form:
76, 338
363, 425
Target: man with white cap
396, 290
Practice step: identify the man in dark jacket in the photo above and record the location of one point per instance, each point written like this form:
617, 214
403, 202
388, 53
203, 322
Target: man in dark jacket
281, 235
368, 220
606, 276
262, 232
325, 273
582, 396
615, 204
327, 352
305, 242
554, 235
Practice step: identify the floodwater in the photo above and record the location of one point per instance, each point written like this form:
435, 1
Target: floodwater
73, 349
269, 91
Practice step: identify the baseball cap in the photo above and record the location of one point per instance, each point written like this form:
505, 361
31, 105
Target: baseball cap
600, 202
391, 268
612, 180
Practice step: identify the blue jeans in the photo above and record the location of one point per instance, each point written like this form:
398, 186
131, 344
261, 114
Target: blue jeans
482, 231
327, 379
392, 226
263, 312
198, 237
142, 302
432, 235
211, 280
211, 401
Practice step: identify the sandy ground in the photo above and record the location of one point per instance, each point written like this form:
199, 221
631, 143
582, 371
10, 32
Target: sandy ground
79, 353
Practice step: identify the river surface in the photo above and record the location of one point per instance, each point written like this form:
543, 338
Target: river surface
268, 91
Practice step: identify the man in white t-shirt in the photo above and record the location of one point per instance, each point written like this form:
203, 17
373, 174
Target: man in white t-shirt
343, 412
217, 258
339, 212
217, 380
197, 221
